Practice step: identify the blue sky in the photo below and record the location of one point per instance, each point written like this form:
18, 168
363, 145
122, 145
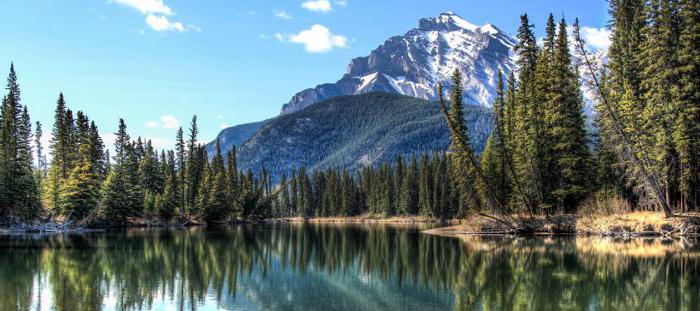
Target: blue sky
158, 62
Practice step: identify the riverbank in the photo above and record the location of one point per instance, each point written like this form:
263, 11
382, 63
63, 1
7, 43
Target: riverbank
362, 219
633, 224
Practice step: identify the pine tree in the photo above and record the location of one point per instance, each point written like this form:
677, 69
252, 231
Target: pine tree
409, 192
687, 96
284, 198
121, 196
40, 172
425, 188
234, 189
193, 168
566, 135
217, 209
527, 122
58, 148
494, 160
19, 197
623, 88
465, 171
79, 194
150, 179
169, 199
181, 150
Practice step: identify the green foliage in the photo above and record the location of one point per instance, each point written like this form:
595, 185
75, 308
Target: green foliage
79, 194
382, 127
653, 86
19, 197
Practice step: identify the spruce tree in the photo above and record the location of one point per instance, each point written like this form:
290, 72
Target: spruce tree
527, 121
120, 197
169, 199
19, 196
465, 171
566, 135
181, 153
409, 192
79, 194
687, 96
217, 209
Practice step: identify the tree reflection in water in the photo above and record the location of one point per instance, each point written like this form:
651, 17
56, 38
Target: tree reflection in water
354, 267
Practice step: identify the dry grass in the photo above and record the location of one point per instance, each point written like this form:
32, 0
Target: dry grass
640, 223
603, 202
617, 224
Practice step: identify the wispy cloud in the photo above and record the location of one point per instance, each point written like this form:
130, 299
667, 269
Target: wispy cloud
223, 125
166, 121
317, 39
160, 142
157, 13
596, 38
162, 23
282, 14
147, 6
317, 5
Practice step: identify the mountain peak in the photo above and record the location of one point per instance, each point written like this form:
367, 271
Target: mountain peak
450, 17
412, 64
490, 29
446, 21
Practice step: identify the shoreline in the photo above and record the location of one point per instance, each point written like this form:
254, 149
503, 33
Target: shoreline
362, 219
623, 225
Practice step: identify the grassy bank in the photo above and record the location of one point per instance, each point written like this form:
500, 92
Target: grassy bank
630, 224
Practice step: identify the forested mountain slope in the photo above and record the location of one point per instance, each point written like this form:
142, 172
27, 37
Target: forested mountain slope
352, 131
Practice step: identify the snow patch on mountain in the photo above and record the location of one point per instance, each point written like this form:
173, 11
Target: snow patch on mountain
412, 64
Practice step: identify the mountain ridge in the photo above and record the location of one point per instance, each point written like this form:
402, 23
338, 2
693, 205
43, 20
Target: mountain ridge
413, 63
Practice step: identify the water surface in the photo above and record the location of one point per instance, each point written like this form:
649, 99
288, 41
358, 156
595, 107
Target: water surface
342, 267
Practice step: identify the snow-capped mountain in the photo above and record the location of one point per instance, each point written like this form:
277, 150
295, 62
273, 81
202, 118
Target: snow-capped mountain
413, 63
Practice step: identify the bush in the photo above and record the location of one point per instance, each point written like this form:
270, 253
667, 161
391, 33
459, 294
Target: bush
604, 202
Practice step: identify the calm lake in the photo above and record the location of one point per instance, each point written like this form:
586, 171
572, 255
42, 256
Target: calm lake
342, 267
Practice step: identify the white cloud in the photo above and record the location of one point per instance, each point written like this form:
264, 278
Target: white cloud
147, 6
317, 39
161, 23
223, 125
342, 3
282, 14
108, 139
159, 142
157, 13
317, 5
166, 121
596, 38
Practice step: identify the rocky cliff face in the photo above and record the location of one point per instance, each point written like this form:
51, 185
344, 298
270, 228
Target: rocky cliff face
412, 64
